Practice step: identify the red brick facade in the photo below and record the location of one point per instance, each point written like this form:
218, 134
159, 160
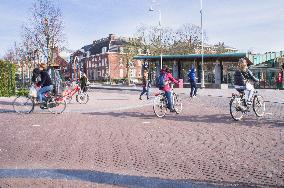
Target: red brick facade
102, 61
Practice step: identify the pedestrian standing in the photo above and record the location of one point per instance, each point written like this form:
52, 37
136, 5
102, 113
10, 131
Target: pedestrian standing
192, 80
83, 82
145, 84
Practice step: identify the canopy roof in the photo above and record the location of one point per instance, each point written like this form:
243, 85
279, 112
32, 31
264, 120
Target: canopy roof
196, 57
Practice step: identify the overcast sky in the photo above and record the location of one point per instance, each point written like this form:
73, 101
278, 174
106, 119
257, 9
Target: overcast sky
256, 25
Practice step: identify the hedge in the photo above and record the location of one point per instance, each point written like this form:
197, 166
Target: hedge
7, 79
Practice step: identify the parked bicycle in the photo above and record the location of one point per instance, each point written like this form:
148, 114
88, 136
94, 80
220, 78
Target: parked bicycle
26, 104
160, 105
239, 106
81, 97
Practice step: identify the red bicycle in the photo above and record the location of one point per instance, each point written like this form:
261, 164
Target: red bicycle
72, 89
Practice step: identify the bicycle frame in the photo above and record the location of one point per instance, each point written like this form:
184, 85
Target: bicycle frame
71, 93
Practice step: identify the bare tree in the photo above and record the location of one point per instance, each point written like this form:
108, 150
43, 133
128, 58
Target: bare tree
132, 47
184, 40
44, 30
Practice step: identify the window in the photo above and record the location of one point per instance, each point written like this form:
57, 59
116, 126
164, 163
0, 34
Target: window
104, 50
121, 73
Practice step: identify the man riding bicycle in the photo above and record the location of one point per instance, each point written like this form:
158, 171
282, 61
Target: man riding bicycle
243, 79
45, 83
167, 78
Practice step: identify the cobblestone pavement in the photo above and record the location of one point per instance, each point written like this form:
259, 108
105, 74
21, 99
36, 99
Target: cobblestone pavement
115, 140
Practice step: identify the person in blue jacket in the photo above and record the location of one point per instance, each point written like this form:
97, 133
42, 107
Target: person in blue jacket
192, 80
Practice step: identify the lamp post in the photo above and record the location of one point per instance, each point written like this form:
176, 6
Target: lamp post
46, 29
202, 49
160, 25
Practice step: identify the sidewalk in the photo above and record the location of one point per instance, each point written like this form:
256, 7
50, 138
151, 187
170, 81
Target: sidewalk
270, 95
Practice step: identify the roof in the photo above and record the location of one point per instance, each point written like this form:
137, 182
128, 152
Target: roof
206, 57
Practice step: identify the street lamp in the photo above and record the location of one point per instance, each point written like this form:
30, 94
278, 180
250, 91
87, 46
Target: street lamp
160, 25
202, 49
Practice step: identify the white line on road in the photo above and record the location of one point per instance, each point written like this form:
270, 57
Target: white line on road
36, 125
146, 122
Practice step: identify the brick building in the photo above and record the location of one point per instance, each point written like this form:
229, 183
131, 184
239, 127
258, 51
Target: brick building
103, 60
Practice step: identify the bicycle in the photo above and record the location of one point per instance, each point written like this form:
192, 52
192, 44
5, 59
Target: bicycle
81, 97
239, 106
26, 104
160, 105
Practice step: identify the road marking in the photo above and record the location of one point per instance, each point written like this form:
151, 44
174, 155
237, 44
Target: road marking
146, 122
268, 113
36, 125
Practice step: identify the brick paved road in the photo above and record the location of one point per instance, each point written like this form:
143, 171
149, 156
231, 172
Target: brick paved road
116, 140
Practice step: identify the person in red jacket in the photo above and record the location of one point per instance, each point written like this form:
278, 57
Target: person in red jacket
167, 88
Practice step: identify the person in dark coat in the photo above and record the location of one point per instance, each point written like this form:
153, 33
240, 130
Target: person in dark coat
83, 82
146, 85
45, 83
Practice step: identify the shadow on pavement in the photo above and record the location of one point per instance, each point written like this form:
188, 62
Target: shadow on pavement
6, 103
212, 118
100, 177
123, 114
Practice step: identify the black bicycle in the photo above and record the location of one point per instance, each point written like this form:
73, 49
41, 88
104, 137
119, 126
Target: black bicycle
239, 106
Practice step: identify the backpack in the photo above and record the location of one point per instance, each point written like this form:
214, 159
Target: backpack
161, 81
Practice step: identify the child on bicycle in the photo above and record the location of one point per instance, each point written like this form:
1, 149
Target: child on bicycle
167, 88
244, 78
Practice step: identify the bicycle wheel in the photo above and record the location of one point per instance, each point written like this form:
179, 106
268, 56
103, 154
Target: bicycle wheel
160, 106
177, 103
82, 98
236, 108
56, 105
258, 106
23, 104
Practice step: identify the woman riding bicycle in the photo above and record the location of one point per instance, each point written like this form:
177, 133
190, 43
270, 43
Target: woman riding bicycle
243, 79
165, 72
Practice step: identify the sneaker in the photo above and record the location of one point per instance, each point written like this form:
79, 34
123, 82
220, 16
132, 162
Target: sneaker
140, 98
172, 110
148, 98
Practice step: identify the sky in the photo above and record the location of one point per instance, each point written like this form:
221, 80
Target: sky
254, 25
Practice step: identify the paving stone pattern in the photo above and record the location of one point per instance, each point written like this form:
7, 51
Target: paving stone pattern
202, 144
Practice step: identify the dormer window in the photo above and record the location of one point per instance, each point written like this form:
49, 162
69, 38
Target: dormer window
104, 50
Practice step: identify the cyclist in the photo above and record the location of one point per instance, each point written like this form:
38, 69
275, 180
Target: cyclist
45, 83
243, 77
167, 88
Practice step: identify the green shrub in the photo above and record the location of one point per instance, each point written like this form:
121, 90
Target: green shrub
7, 78
23, 92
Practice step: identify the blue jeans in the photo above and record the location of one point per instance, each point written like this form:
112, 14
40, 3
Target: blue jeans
169, 95
145, 90
42, 91
193, 88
